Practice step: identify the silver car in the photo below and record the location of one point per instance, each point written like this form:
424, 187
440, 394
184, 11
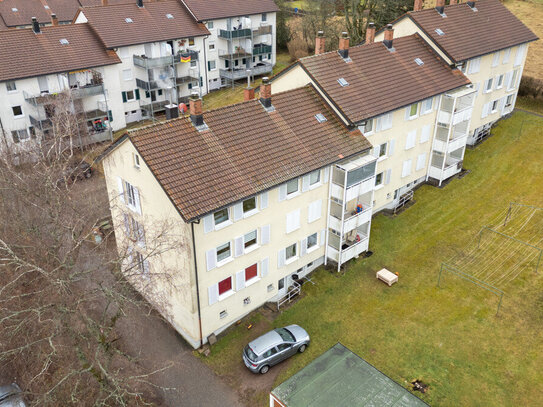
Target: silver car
274, 347
10, 396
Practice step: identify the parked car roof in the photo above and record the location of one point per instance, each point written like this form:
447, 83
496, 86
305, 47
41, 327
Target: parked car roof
264, 342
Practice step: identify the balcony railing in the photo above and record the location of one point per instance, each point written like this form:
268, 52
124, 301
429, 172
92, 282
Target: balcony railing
263, 30
351, 221
87, 91
230, 34
353, 191
452, 166
148, 63
155, 106
79, 92
242, 73
40, 124
349, 250
152, 85
262, 49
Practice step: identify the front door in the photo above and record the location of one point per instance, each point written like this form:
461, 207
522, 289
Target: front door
281, 287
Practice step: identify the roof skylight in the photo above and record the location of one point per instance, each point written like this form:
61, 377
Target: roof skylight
439, 31
343, 82
64, 41
419, 61
14, 9
320, 118
128, 20
169, 16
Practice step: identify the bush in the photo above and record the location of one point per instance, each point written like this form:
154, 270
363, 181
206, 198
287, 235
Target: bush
531, 87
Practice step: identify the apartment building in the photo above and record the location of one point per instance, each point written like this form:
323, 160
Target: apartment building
38, 65
393, 91
242, 37
160, 46
483, 39
252, 190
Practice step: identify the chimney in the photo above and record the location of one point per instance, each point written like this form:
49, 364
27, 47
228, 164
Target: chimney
265, 93
139, 3
389, 36
105, 2
440, 6
171, 111
418, 5
471, 4
54, 19
344, 45
370, 33
248, 93
319, 43
195, 109
35, 26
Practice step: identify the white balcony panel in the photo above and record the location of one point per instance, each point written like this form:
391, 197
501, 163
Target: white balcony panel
337, 191
450, 171
357, 220
333, 253
444, 117
440, 146
457, 143
354, 250
462, 116
334, 223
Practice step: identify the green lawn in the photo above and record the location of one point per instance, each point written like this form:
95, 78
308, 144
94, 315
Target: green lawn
448, 337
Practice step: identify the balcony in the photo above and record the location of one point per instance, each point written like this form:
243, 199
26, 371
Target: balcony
353, 191
263, 30
155, 106
452, 167
153, 85
236, 74
87, 91
260, 49
40, 124
185, 79
230, 34
350, 249
351, 221
148, 63
239, 52
79, 92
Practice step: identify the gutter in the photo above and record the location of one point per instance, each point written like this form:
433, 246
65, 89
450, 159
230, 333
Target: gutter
197, 285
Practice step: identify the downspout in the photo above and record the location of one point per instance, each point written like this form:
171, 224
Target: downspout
205, 69
197, 285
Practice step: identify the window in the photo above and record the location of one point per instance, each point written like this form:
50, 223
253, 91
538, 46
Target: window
191, 41
209, 25
320, 117
128, 20
412, 111
314, 211
519, 57
439, 31
130, 194
506, 55
314, 177
474, 65
225, 286
17, 111
292, 186
221, 216
130, 96
368, 127
141, 264
264, 17
343, 82
281, 284
509, 100
211, 46
251, 272
134, 231
427, 105
383, 150
193, 64
291, 252
123, 52
494, 106
270, 288
511, 84
169, 16
64, 41
212, 65
19, 135
136, 161
249, 240
499, 83
10, 86
495, 59
249, 205
384, 122
223, 252
293, 221
379, 179
488, 85
419, 61
269, 353
312, 241
127, 74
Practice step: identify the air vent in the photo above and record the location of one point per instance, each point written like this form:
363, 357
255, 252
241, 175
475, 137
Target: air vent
439, 31
169, 16
419, 61
320, 118
64, 41
343, 82
128, 20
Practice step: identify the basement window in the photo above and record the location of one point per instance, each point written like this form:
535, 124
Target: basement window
64, 41
439, 31
343, 82
128, 20
320, 118
419, 61
169, 16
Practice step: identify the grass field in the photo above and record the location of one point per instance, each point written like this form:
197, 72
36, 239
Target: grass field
448, 337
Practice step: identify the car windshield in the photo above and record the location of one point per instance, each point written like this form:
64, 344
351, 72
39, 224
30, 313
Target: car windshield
250, 354
285, 335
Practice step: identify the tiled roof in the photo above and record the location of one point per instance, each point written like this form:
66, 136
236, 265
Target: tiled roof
25, 54
149, 23
469, 33
203, 11
245, 151
20, 12
380, 81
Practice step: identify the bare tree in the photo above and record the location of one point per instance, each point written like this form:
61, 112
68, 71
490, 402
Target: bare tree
62, 292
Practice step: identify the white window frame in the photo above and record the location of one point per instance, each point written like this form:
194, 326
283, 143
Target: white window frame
251, 212
228, 221
315, 184
425, 133
315, 246
369, 123
494, 102
227, 293
20, 116
252, 247
427, 109
253, 280
506, 56
136, 161
499, 81
293, 194
212, 46
382, 155
294, 257
495, 59
226, 260
411, 140
379, 180
14, 83
409, 109
488, 85
314, 211
421, 162
214, 62
292, 221
474, 65
129, 99
406, 168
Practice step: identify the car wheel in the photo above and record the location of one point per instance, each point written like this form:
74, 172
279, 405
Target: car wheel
301, 349
264, 369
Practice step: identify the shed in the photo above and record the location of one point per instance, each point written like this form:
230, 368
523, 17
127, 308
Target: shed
341, 378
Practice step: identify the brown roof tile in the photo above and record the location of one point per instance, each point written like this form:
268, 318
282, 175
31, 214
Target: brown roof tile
20, 12
203, 10
150, 23
25, 54
381, 81
469, 34
245, 151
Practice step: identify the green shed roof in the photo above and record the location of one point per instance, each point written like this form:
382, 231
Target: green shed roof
341, 378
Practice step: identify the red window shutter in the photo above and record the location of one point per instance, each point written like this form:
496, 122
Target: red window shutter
225, 285
251, 272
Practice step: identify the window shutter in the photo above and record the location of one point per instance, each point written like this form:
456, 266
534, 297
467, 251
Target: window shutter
376, 151
391, 145
406, 170
323, 237
421, 161
508, 77
138, 201
263, 200
209, 65
407, 112
486, 108
213, 294
501, 105
293, 220
265, 234
137, 93
264, 267
411, 139
387, 176
211, 259
305, 183
282, 192
141, 236
326, 174
124, 97
425, 134
240, 280
238, 246
208, 223
121, 189
238, 211
281, 258
314, 211
303, 247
